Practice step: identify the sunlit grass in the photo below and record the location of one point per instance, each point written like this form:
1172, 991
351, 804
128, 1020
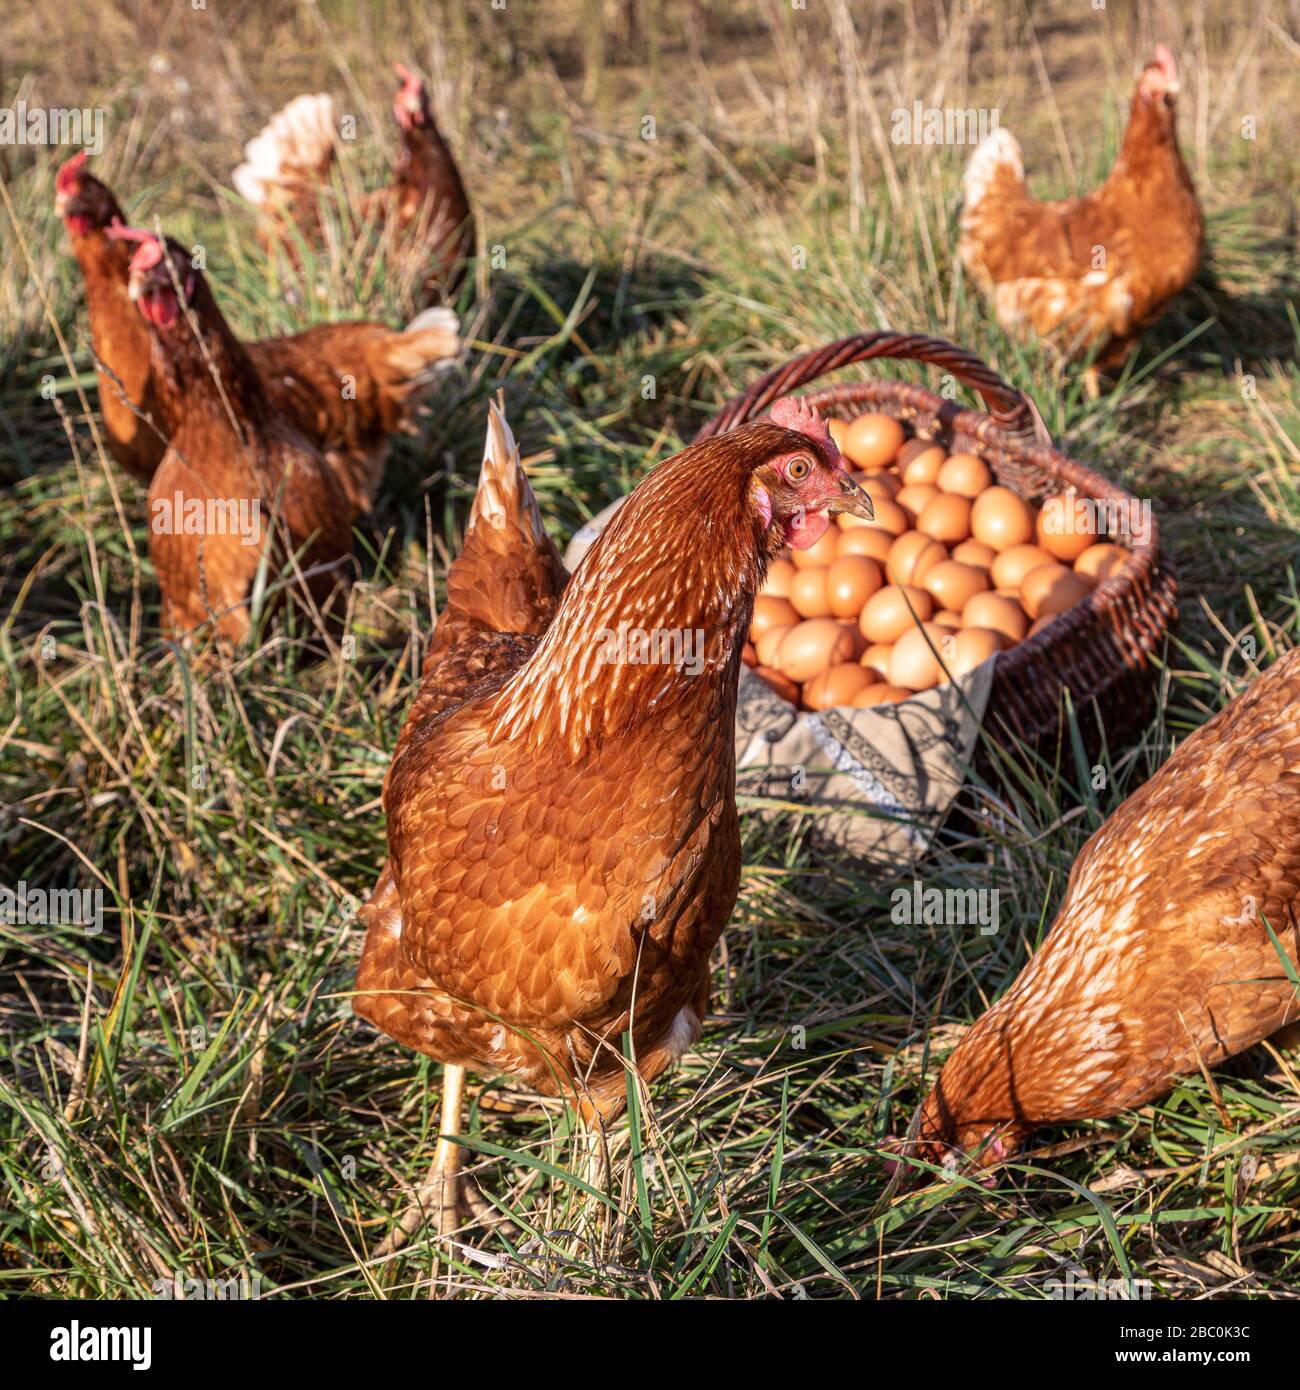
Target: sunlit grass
187, 1092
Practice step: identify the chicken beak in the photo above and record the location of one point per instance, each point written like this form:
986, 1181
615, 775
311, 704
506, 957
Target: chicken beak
852, 499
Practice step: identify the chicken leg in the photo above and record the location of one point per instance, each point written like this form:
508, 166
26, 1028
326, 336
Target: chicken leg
442, 1183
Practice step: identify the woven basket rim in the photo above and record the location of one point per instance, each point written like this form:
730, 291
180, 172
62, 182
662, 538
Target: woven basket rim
1102, 640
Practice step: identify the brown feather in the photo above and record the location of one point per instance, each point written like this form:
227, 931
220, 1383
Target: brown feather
563, 843
1159, 960
1039, 261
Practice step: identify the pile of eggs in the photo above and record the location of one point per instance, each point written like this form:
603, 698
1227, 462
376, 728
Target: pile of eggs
952, 569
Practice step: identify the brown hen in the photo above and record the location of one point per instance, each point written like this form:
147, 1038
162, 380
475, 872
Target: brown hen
287, 166
1088, 274
238, 479
345, 386
563, 843
1160, 960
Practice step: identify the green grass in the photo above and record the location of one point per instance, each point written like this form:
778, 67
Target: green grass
188, 1094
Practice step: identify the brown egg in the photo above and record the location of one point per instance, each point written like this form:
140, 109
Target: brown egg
952, 585
880, 487
915, 498
850, 625
748, 655
946, 517
881, 695
770, 612
1001, 519
973, 648
865, 540
945, 617
819, 554
974, 553
965, 475
911, 449
838, 429
1102, 562
836, 686
889, 517
871, 441
1040, 623
876, 658
1052, 589
911, 557
922, 466
780, 575
912, 663
1065, 527
812, 647
997, 612
808, 594
769, 643
850, 582
783, 685
1011, 566
889, 613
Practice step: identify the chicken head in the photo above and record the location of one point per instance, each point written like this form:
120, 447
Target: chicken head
796, 494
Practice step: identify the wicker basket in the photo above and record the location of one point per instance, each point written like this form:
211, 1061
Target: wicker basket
1100, 649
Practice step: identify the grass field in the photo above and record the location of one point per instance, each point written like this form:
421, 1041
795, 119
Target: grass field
187, 1095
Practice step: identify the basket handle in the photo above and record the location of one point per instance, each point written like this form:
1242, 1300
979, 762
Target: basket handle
1011, 409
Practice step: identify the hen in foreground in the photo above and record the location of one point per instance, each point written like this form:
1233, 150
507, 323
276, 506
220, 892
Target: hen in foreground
563, 843
346, 386
1092, 273
239, 479
287, 167
1160, 960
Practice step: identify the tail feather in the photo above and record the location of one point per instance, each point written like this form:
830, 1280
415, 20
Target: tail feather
509, 575
997, 159
406, 365
295, 147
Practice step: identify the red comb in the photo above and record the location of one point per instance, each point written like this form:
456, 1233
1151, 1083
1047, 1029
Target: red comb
66, 179
794, 413
150, 252
410, 82
1166, 63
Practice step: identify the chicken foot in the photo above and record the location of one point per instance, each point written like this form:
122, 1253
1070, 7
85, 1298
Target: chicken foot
441, 1186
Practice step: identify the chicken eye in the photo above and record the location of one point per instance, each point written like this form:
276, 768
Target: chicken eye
798, 469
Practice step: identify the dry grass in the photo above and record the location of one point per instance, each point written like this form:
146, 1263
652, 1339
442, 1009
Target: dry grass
187, 1094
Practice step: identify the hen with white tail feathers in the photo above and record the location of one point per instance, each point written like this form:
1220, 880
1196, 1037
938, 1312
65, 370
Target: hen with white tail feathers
1087, 275
423, 210
293, 150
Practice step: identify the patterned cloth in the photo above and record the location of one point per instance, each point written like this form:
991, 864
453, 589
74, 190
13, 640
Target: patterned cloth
877, 782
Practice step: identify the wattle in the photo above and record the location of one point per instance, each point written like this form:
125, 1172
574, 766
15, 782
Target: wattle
161, 308
804, 532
